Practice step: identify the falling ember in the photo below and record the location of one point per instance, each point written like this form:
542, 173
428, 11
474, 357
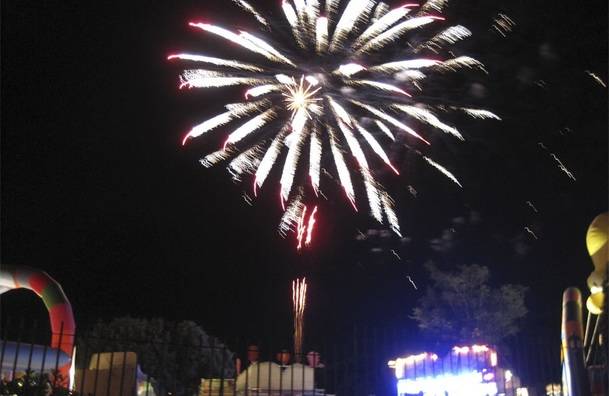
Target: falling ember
360, 88
311, 226
304, 228
527, 229
301, 228
299, 295
596, 78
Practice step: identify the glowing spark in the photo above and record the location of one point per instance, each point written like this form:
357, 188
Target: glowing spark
380, 10
395, 33
290, 14
291, 216
274, 54
321, 32
261, 90
356, 10
392, 218
246, 162
315, 159
293, 20
376, 147
443, 170
339, 111
199, 78
247, 199
299, 135
381, 25
228, 35
373, 194
482, 114
391, 120
249, 8
527, 229
208, 125
255, 123
437, 5
371, 189
217, 156
405, 65
301, 228
503, 24
216, 61
447, 37
311, 226
341, 167
596, 78
385, 130
331, 7
270, 157
563, 167
463, 61
300, 8
349, 69
312, 80
396, 254
285, 80
382, 86
412, 282
426, 116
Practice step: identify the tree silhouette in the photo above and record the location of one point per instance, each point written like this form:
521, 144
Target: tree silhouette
461, 306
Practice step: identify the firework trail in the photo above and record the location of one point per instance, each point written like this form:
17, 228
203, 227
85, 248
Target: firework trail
338, 83
299, 296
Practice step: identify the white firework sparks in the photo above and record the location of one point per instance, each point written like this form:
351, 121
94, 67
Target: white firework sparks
325, 82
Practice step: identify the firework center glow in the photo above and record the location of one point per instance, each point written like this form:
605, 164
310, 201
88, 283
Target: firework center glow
301, 96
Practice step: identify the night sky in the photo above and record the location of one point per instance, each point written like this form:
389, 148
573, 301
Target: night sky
97, 190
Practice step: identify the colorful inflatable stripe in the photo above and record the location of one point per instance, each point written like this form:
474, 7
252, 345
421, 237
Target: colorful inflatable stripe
61, 316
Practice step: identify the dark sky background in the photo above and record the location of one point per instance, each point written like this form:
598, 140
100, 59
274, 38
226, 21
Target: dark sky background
97, 190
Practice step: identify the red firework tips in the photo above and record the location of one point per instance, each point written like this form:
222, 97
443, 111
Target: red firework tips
310, 227
305, 226
186, 139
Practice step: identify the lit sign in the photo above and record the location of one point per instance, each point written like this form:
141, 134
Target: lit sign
470, 373
464, 384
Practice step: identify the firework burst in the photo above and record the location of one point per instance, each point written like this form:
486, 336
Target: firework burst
339, 80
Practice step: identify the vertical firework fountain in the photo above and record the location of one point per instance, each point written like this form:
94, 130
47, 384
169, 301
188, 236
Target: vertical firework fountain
299, 295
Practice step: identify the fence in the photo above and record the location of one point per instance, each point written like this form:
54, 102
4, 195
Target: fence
355, 364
